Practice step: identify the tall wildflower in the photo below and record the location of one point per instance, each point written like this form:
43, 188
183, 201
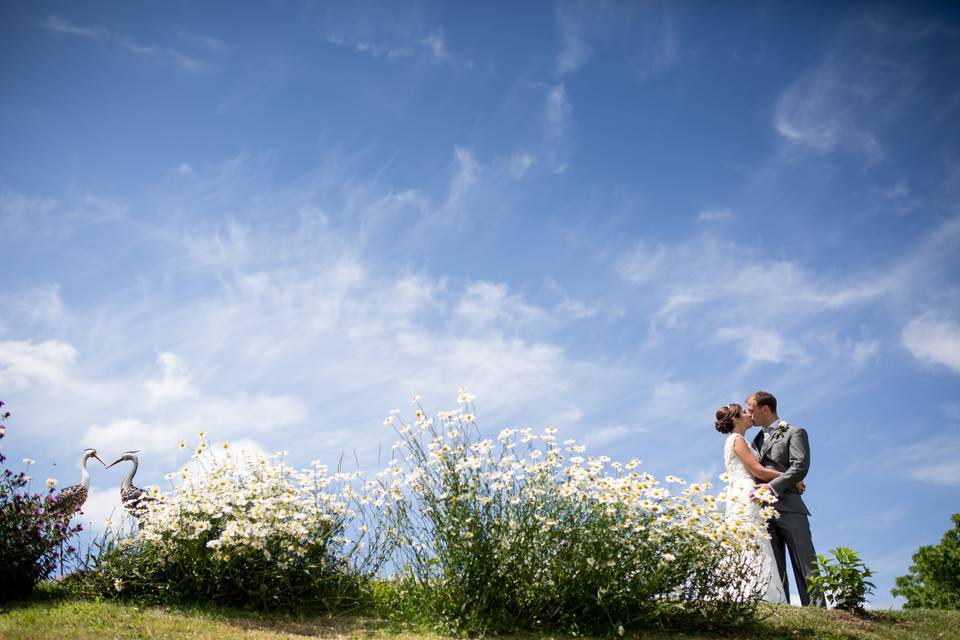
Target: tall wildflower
524, 531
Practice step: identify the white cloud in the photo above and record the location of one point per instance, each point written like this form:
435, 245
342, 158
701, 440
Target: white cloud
41, 306
659, 51
713, 215
371, 49
576, 309
103, 504
56, 24
935, 460
487, 303
641, 264
436, 45
574, 50
229, 248
174, 384
951, 410
185, 169
180, 59
129, 434
759, 345
558, 109
465, 174
394, 43
864, 83
214, 44
600, 437
934, 340
558, 116
23, 363
864, 352
519, 163
158, 431
17, 207
813, 113
706, 269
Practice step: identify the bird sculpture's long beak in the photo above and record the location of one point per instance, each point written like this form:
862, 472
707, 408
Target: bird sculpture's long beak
114, 462
101, 461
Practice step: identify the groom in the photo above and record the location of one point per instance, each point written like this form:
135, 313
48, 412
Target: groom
785, 448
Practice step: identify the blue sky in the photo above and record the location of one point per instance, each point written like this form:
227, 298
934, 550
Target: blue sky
276, 221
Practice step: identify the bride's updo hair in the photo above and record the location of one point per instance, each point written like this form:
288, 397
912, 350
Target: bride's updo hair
726, 415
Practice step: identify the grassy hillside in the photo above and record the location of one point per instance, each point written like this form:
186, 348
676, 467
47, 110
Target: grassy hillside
61, 619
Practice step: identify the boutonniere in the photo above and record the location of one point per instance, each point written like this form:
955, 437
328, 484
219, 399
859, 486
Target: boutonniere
782, 427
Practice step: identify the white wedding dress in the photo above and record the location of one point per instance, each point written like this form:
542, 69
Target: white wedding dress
740, 507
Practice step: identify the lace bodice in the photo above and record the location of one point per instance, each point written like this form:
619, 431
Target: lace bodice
741, 509
731, 461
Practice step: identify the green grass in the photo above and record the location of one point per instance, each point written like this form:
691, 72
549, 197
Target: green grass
48, 615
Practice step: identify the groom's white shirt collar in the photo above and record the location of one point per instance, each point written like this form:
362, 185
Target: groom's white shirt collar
770, 427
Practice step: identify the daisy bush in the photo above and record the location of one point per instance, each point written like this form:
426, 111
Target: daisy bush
246, 530
526, 531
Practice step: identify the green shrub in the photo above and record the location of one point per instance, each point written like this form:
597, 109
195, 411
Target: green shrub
32, 530
525, 533
842, 579
934, 578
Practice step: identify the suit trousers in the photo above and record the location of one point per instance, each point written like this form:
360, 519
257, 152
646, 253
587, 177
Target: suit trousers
792, 531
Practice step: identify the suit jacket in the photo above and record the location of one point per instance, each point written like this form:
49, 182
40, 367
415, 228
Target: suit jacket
787, 450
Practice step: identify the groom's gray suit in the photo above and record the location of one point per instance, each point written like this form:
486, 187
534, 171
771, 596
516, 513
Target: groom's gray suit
786, 448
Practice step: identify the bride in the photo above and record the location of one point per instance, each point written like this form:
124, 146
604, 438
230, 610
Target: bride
743, 470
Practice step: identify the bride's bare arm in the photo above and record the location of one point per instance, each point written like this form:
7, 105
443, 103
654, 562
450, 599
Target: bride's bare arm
742, 449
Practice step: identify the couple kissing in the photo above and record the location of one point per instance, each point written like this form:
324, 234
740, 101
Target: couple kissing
776, 460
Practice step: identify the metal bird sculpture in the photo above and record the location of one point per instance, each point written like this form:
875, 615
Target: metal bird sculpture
71, 498
134, 499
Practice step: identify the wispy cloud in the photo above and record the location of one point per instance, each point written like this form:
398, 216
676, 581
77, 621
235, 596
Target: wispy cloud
432, 47
213, 44
862, 84
935, 460
660, 49
42, 306
558, 116
180, 59
759, 344
184, 169
714, 215
24, 363
520, 163
814, 112
934, 339
574, 51
57, 24
640, 264
486, 304
466, 172
708, 269
192, 64
387, 52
